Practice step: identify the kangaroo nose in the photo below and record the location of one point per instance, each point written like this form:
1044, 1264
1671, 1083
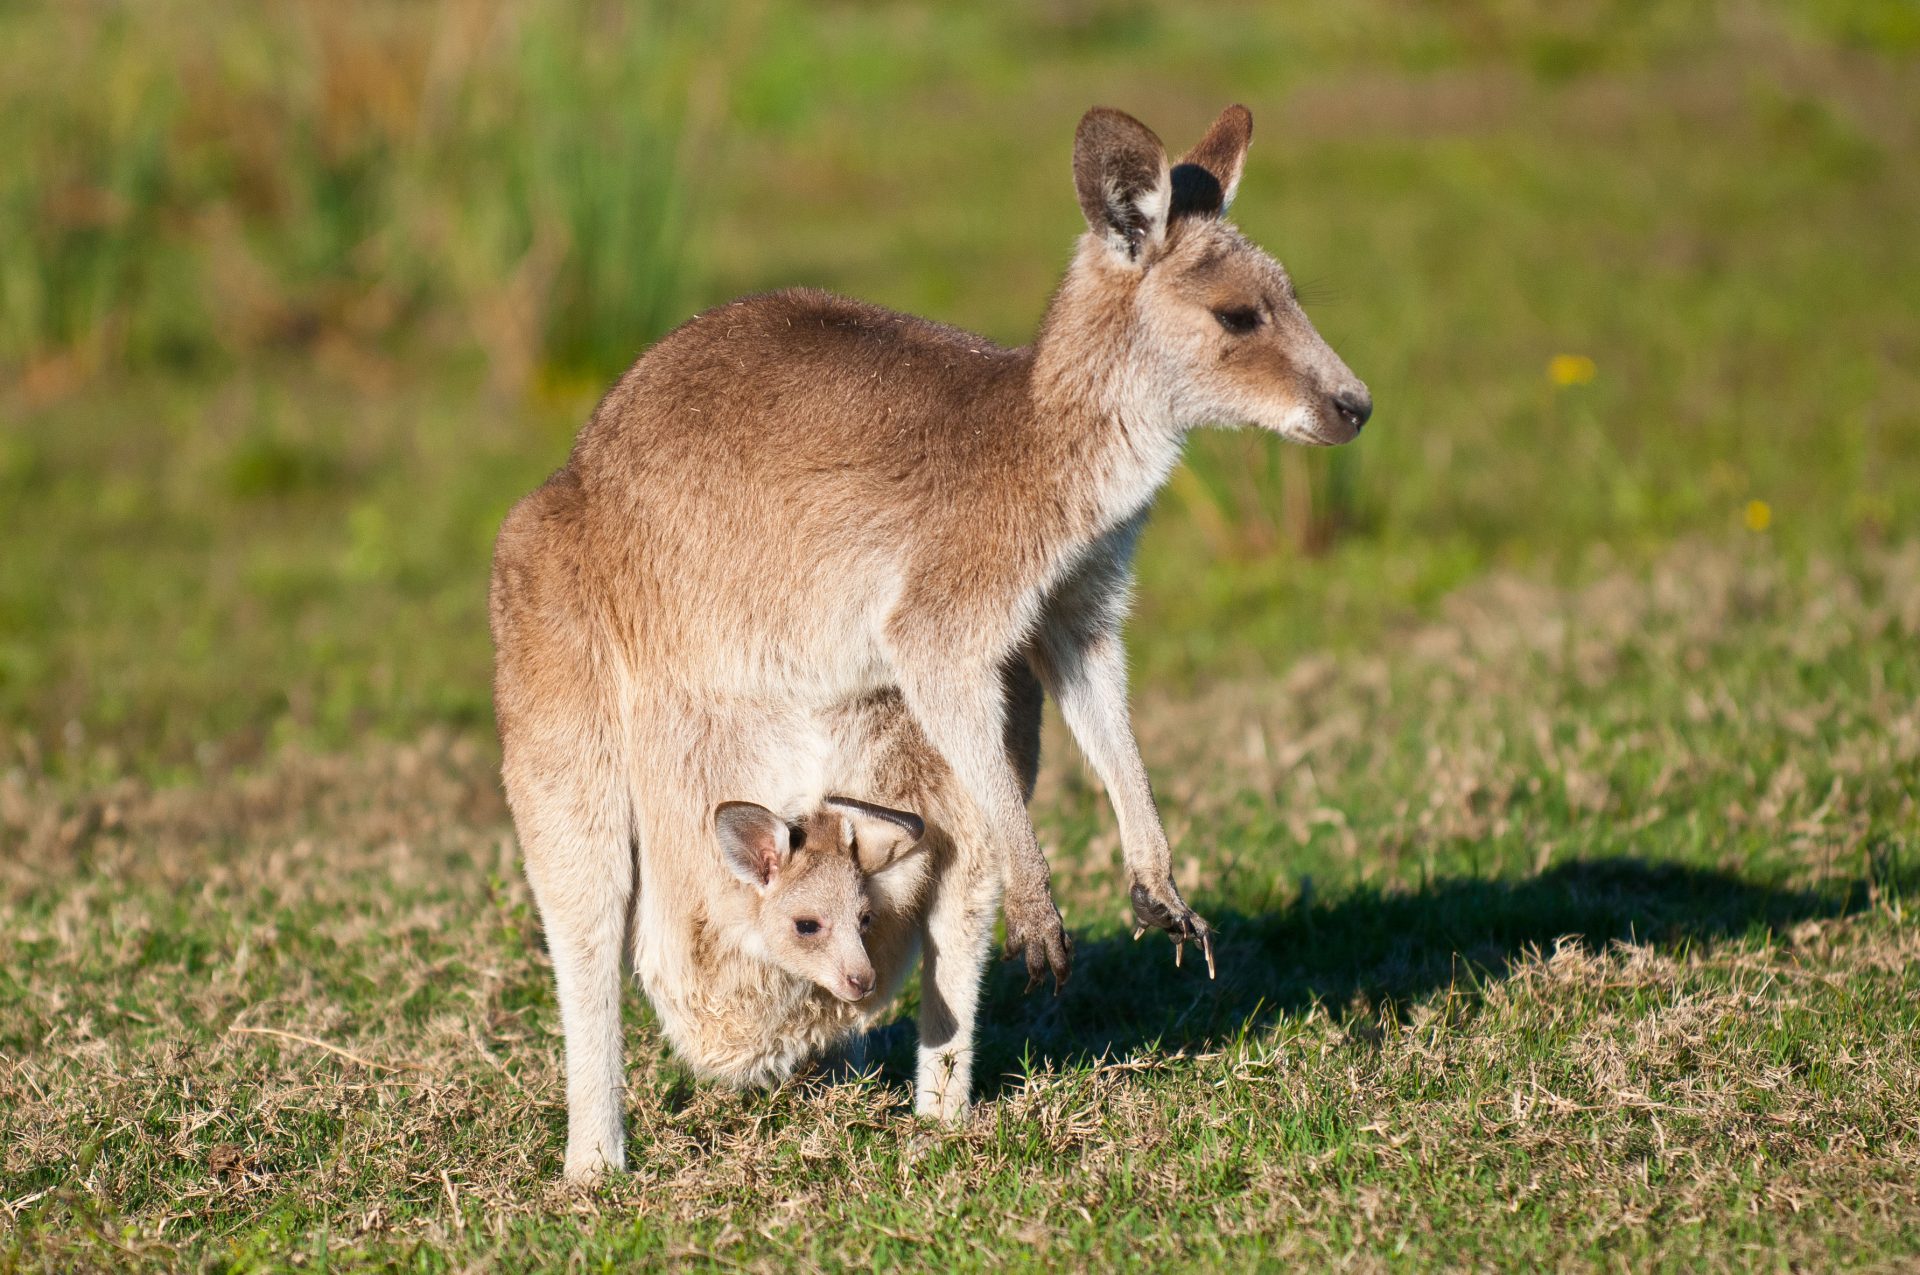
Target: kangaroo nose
859, 984
1354, 406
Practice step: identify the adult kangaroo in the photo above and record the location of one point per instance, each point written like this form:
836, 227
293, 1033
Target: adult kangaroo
797, 500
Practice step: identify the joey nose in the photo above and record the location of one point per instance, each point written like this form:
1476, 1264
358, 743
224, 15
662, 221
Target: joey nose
1354, 407
858, 985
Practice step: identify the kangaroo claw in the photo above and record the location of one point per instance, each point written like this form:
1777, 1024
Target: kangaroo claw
1038, 934
1166, 910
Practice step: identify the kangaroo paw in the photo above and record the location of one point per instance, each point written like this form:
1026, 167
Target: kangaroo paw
1035, 930
1164, 909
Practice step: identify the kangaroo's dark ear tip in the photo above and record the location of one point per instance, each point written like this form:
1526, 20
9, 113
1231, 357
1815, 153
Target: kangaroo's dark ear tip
1096, 118
1097, 115
905, 820
1110, 124
1232, 131
738, 814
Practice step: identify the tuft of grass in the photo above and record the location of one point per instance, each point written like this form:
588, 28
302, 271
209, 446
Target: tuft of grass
191, 187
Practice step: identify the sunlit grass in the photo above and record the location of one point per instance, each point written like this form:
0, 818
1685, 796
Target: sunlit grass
1573, 929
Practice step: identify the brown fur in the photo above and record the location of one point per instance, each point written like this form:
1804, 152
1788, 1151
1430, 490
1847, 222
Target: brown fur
796, 502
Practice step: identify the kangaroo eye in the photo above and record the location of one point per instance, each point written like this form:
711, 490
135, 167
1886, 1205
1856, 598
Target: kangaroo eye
1238, 320
807, 925
865, 920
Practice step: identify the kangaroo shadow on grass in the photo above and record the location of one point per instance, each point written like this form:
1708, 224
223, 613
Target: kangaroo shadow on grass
1367, 952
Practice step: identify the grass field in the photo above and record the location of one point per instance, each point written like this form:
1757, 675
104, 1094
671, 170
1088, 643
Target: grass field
1549, 759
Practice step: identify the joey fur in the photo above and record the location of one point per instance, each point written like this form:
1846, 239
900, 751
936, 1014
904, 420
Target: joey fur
805, 957
797, 502
838, 904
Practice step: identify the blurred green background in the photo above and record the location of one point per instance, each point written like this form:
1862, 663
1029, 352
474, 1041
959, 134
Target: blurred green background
297, 298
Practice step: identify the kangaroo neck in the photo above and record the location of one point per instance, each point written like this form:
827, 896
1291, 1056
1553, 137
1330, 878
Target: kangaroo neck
1099, 403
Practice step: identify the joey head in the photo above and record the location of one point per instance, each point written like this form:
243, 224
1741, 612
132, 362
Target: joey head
811, 883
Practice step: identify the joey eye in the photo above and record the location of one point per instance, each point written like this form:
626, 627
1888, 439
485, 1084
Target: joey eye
796, 837
866, 921
806, 925
1239, 320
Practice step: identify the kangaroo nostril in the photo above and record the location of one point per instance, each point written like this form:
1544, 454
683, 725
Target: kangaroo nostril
860, 984
1354, 408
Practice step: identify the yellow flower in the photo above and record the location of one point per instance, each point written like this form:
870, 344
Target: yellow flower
1759, 515
1570, 369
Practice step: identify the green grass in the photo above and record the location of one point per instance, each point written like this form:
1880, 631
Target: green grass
1538, 950
1548, 758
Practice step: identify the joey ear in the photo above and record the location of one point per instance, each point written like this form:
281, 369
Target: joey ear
1205, 179
1120, 174
881, 837
754, 842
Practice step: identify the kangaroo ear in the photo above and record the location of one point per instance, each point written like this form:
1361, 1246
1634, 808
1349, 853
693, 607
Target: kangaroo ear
881, 837
754, 842
1205, 179
1120, 174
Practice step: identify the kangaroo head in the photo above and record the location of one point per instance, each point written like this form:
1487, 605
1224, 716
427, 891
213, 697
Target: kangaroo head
810, 882
1198, 323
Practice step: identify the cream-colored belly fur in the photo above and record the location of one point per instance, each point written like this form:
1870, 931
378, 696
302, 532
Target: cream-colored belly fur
760, 1031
